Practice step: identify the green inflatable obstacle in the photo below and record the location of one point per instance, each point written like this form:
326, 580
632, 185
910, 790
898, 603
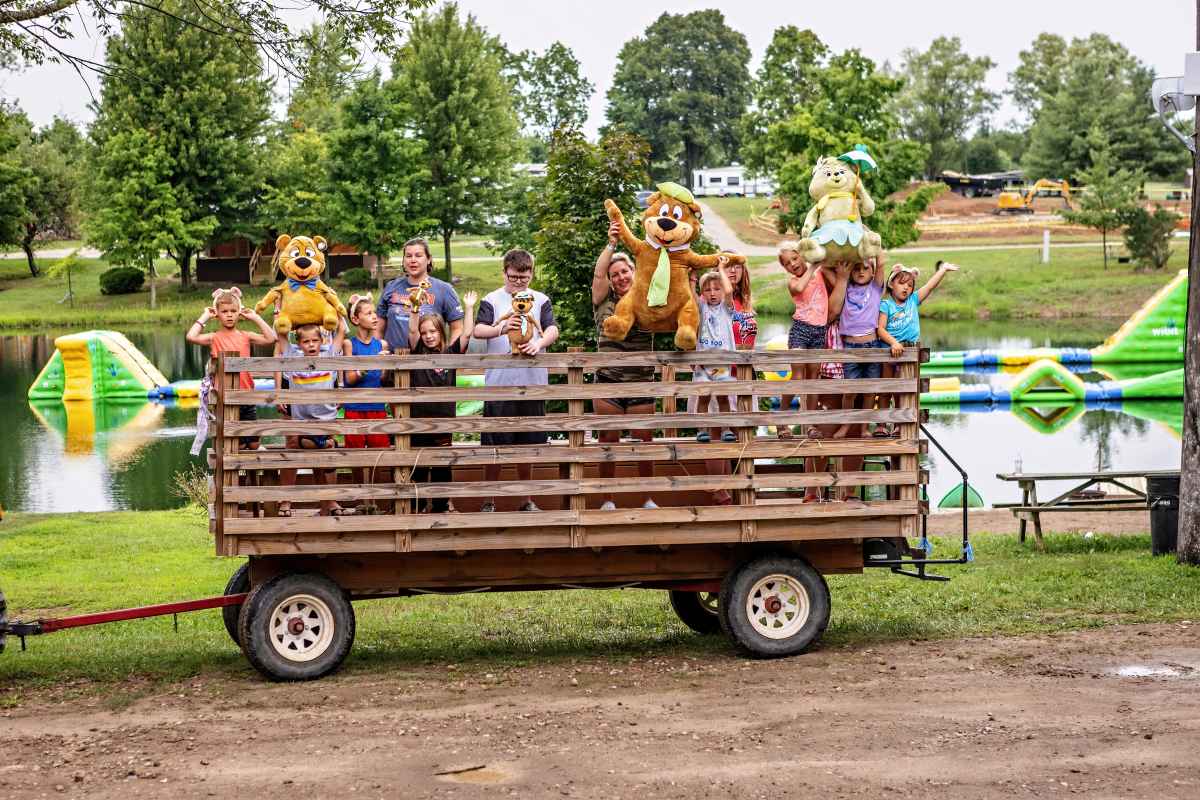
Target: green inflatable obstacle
1154, 332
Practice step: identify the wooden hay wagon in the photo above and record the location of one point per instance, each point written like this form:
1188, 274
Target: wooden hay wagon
752, 568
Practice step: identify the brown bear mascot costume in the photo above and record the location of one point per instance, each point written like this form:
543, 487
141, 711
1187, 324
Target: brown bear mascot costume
661, 298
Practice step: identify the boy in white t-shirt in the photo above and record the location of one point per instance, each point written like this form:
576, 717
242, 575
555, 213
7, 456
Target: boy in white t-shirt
518, 272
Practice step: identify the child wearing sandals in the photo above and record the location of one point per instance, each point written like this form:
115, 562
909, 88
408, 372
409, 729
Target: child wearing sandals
310, 343
810, 295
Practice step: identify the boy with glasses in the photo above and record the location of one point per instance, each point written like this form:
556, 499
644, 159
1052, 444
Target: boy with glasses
518, 272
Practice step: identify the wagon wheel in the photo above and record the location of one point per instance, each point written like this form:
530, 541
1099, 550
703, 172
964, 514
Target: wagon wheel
697, 610
297, 627
239, 582
774, 606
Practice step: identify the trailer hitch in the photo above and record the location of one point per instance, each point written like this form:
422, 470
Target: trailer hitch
886, 553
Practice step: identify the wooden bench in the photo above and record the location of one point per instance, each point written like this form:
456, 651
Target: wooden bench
1030, 508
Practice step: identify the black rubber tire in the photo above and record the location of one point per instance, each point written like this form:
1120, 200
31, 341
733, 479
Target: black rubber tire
239, 582
254, 626
3, 619
693, 612
735, 619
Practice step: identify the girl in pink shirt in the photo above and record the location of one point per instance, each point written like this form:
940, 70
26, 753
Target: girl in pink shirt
810, 294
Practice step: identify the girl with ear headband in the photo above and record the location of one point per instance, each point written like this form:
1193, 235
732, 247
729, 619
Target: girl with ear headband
228, 310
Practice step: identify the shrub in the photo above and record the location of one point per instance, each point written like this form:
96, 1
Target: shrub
192, 485
121, 280
1148, 235
357, 278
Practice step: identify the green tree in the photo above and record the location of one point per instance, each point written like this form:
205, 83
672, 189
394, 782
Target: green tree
51, 196
328, 73
1110, 193
553, 91
40, 30
943, 96
448, 78
683, 87
1101, 83
572, 223
295, 193
981, 154
138, 213
373, 165
850, 108
1040, 72
202, 102
15, 176
788, 78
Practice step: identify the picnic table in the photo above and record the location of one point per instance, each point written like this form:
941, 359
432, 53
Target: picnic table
1030, 508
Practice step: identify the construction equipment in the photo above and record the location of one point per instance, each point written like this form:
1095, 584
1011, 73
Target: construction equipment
1017, 203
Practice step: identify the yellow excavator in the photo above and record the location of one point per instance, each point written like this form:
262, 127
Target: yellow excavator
1018, 203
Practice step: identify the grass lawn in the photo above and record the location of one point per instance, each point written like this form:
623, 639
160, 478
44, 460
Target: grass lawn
64, 564
1011, 284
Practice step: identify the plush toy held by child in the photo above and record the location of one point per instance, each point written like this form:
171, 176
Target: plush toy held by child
661, 299
526, 324
833, 229
304, 298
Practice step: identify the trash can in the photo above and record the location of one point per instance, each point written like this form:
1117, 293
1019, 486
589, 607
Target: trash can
1162, 495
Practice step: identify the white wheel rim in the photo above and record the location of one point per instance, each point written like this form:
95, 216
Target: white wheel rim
708, 601
777, 606
301, 628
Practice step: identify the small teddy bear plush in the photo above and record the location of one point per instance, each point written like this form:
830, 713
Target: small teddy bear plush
420, 295
303, 297
522, 331
833, 229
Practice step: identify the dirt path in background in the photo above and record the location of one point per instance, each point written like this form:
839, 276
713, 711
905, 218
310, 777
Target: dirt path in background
1104, 713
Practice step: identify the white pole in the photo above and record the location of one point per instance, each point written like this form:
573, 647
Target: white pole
1046, 246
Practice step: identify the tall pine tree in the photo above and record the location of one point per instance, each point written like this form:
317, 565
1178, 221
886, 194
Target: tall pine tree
448, 77
201, 102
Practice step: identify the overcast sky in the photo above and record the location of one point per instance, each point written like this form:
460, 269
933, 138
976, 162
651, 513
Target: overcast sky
1157, 31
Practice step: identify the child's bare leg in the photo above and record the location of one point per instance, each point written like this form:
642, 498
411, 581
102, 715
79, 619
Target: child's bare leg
329, 478
287, 477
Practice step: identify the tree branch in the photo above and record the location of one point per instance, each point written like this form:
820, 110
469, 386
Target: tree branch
34, 12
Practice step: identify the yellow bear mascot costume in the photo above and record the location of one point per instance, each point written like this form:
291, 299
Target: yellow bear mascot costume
304, 298
661, 298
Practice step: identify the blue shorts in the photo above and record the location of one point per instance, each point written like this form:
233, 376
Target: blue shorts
803, 336
862, 369
319, 442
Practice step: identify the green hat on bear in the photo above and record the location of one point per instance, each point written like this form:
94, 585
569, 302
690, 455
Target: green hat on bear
676, 192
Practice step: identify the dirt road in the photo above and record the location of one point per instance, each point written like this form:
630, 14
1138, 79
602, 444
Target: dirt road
1105, 713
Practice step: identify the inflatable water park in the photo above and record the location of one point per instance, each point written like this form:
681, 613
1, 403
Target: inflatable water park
1153, 334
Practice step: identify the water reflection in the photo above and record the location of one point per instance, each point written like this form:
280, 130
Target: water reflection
92, 456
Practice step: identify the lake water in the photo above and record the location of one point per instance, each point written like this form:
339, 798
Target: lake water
125, 455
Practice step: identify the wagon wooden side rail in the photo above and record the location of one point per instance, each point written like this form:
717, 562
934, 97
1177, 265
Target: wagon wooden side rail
765, 505
734, 538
